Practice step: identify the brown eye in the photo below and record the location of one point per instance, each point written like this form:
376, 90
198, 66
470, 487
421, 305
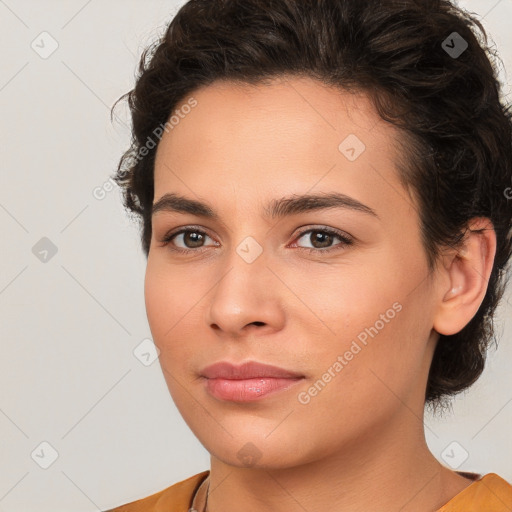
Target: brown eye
191, 238
322, 239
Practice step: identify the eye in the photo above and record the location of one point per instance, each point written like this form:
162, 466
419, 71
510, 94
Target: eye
191, 242
321, 238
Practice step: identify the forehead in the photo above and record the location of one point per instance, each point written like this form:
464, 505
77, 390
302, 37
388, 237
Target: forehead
287, 136
302, 107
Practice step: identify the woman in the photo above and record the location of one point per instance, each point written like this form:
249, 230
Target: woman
324, 189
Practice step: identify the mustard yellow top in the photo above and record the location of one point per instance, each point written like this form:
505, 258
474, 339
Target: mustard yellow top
489, 493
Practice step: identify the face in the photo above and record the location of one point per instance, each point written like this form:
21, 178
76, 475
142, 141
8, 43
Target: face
339, 295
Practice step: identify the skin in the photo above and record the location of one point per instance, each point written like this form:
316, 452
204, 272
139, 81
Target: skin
360, 441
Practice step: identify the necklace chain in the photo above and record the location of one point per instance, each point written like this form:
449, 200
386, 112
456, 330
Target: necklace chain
196, 496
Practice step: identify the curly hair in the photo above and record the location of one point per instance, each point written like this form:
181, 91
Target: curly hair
456, 127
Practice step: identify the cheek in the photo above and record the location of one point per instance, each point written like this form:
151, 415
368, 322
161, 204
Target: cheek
370, 384
165, 305
173, 312
376, 338
391, 365
157, 301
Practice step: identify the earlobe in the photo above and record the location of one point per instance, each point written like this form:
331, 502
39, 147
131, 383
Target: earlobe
467, 271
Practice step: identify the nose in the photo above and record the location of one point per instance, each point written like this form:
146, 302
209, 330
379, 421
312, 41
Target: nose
247, 299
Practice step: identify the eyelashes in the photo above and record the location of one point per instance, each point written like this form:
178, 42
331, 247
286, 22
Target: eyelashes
169, 237
345, 239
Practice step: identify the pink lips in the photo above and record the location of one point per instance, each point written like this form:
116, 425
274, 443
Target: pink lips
248, 382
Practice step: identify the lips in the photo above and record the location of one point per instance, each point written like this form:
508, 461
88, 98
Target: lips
248, 382
248, 370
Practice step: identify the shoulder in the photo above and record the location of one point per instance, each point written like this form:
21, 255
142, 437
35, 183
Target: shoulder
178, 496
490, 493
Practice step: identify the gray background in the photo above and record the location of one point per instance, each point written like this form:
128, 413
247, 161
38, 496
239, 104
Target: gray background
69, 326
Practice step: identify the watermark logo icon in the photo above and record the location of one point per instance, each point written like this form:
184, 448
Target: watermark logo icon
146, 352
454, 45
249, 249
44, 250
351, 147
249, 454
44, 45
454, 455
44, 455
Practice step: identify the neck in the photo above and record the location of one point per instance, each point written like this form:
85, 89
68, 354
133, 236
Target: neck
391, 468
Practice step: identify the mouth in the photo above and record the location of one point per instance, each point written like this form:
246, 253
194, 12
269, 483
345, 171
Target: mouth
248, 382
247, 390
247, 370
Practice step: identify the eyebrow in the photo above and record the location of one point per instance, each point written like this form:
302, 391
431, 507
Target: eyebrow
277, 208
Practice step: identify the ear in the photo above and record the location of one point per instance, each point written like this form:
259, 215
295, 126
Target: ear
465, 274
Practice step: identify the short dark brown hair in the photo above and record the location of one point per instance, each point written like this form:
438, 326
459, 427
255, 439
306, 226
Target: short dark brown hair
428, 69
